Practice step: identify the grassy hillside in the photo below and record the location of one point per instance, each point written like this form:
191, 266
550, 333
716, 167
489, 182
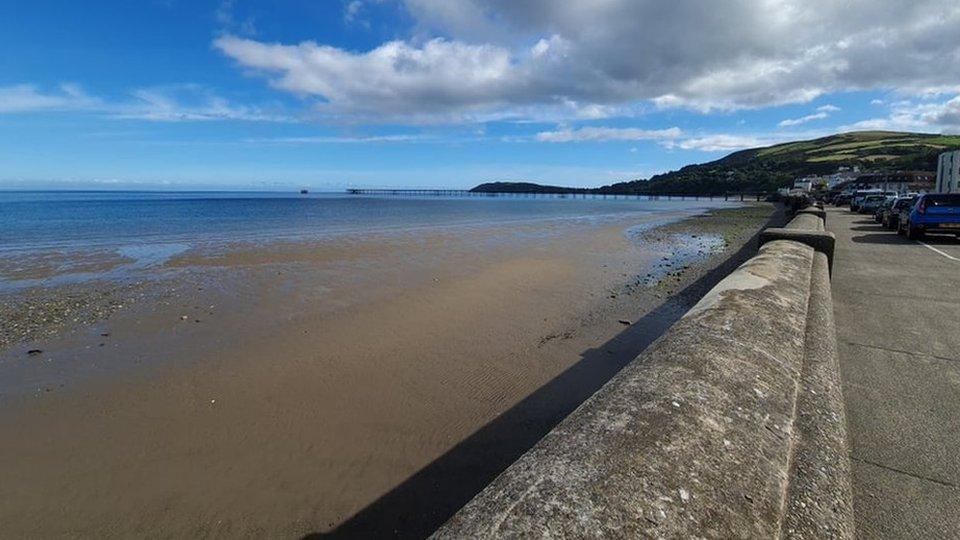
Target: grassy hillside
766, 169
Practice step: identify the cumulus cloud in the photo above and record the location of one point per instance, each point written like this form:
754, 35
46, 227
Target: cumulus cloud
608, 134
439, 78
468, 58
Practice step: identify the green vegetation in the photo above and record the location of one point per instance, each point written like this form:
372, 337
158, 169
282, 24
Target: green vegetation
766, 169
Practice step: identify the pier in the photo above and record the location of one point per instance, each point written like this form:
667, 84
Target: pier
738, 196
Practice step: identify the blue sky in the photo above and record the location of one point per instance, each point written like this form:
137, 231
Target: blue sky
329, 94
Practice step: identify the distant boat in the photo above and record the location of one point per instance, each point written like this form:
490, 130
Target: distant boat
304, 192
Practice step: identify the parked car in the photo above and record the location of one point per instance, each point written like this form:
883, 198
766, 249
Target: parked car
933, 212
870, 203
841, 199
891, 214
861, 195
886, 203
855, 200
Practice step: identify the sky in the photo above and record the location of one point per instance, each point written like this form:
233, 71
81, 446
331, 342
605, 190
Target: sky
328, 94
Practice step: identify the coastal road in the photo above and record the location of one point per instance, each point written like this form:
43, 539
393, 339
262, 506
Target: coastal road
897, 309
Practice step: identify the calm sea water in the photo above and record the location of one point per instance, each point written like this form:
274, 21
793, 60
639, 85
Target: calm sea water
149, 227
54, 220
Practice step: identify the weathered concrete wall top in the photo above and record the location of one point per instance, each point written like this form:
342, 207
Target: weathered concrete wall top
806, 221
693, 437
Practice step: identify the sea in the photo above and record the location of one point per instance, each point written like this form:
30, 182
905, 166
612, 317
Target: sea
148, 227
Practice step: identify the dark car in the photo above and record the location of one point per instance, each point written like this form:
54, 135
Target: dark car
870, 203
933, 212
841, 199
891, 214
885, 204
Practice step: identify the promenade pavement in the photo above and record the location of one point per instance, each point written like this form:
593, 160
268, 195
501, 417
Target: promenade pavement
897, 310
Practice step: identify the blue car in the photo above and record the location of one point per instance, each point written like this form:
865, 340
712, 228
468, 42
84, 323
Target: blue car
933, 212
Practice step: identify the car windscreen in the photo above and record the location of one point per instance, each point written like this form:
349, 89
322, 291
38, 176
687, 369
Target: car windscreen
943, 199
905, 203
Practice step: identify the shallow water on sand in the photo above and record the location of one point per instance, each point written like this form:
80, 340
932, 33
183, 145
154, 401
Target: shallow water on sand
360, 384
50, 238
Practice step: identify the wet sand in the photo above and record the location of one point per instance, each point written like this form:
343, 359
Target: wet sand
367, 386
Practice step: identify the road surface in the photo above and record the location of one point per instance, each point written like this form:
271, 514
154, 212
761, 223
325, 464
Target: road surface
897, 308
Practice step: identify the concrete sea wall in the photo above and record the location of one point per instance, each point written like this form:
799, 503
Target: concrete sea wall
730, 425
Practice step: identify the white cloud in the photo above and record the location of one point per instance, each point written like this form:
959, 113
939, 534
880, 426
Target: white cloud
671, 138
351, 13
179, 103
22, 98
340, 140
469, 59
803, 119
723, 143
396, 78
926, 116
173, 103
823, 112
608, 134
225, 16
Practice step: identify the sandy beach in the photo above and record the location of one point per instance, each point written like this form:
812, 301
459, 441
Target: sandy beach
349, 387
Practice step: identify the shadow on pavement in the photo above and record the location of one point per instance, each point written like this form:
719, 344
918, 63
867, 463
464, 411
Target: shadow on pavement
419, 505
885, 237
891, 237
941, 239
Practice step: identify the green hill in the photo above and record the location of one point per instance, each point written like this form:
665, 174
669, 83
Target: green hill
766, 169
525, 187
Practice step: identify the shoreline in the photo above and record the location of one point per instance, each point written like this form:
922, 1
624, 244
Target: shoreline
323, 411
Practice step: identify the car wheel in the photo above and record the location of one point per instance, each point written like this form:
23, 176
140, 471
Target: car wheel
914, 233
899, 228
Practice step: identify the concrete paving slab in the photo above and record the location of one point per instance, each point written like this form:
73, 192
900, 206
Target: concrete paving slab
890, 504
897, 309
915, 398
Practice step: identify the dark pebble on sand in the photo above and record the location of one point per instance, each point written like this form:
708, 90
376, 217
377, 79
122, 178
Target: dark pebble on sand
34, 352
624, 321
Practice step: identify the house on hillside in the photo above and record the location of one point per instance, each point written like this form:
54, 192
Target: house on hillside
920, 181
803, 184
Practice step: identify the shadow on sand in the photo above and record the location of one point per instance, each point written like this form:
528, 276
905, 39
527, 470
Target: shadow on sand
419, 505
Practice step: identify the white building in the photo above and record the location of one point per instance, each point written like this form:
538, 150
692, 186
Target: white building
948, 172
803, 184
